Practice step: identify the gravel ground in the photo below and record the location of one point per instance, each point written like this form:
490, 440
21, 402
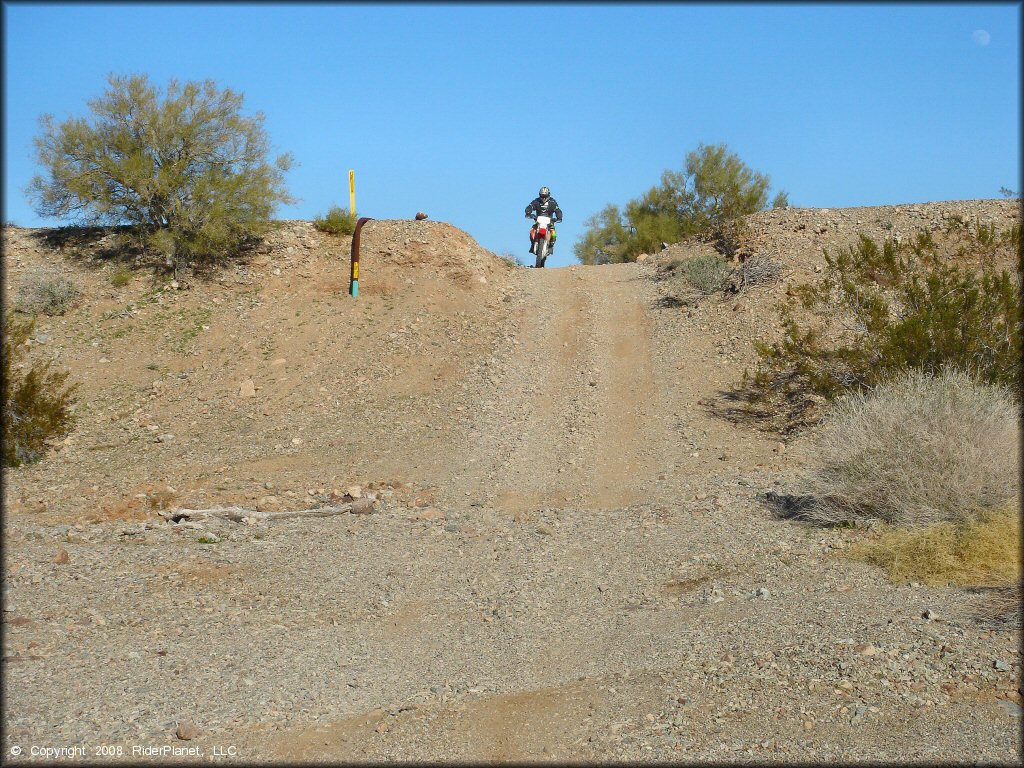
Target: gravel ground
569, 557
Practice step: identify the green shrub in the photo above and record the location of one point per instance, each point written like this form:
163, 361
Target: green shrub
707, 273
36, 404
1011, 237
338, 221
917, 450
883, 310
121, 276
47, 294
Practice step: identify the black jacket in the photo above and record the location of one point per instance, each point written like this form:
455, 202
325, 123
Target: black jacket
547, 207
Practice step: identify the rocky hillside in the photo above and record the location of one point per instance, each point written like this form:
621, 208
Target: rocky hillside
798, 236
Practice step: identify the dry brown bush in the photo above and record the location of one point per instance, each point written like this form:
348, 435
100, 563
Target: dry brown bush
1000, 607
45, 292
757, 270
917, 450
982, 550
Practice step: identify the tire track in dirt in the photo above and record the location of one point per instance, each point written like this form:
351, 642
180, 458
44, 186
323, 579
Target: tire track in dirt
570, 420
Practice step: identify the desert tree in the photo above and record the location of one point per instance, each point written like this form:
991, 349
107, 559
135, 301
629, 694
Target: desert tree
714, 190
723, 186
185, 170
605, 238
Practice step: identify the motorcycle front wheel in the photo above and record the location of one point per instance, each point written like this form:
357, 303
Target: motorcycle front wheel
542, 253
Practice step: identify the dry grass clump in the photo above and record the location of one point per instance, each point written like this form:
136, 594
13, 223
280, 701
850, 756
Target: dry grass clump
1000, 607
46, 293
982, 549
917, 450
758, 270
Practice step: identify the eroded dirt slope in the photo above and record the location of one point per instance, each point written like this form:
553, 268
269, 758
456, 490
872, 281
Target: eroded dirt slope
270, 373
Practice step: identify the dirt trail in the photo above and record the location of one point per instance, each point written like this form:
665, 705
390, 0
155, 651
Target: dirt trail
573, 421
604, 642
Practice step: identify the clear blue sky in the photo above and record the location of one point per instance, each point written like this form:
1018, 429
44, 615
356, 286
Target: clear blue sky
463, 111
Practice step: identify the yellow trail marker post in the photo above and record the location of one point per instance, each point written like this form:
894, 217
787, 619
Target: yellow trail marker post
352, 192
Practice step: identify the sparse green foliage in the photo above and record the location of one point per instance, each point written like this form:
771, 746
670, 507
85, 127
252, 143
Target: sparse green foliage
707, 273
724, 187
714, 191
338, 221
186, 171
36, 403
781, 200
955, 223
46, 293
883, 310
605, 239
1011, 238
121, 276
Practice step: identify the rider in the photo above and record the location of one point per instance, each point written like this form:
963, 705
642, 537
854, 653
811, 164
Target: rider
544, 205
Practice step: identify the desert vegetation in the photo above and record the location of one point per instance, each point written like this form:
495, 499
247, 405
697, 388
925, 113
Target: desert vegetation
976, 549
709, 198
916, 450
37, 401
46, 292
943, 299
694, 278
121, 276
904, 362
184, 171
706, 273
337, 221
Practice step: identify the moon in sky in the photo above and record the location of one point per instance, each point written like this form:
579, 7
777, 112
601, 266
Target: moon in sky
981, 37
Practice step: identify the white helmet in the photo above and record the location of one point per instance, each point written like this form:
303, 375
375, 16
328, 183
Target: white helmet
545, 192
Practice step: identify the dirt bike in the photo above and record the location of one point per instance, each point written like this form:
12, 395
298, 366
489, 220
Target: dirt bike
541, 237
